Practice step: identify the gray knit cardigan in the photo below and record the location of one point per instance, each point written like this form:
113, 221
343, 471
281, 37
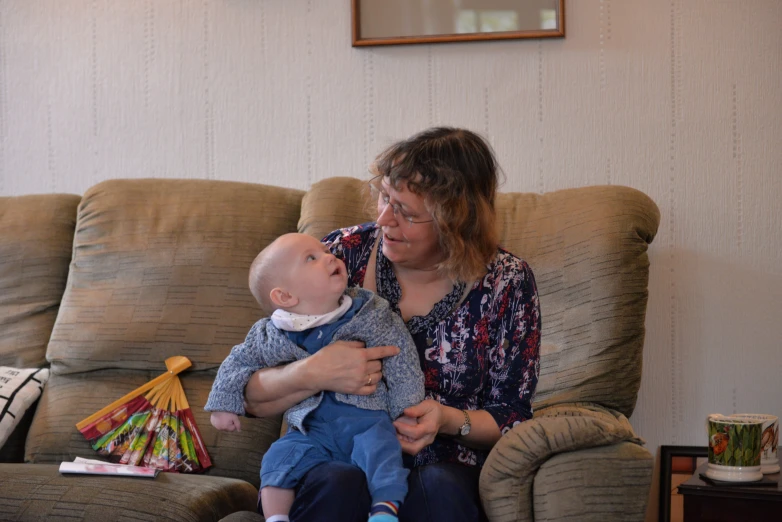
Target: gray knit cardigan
374, 324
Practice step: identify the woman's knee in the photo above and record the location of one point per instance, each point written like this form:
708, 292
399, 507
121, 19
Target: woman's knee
440, 492
332, 491
335, 475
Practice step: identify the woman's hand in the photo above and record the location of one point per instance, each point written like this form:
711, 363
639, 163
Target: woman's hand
347, 367
343, 367
419, 425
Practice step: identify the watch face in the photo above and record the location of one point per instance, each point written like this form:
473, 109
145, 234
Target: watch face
464, 430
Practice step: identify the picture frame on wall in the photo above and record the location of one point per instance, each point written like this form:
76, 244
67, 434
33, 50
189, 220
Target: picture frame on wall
380, 22
677, 464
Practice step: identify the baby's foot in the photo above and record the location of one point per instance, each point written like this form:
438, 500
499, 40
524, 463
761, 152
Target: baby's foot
384, 512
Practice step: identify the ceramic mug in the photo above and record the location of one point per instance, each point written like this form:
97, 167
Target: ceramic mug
734, 448
769, 440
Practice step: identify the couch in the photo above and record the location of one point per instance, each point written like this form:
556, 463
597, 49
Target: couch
102, 288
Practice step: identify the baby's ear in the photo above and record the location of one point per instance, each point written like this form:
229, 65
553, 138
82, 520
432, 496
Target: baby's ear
282, 298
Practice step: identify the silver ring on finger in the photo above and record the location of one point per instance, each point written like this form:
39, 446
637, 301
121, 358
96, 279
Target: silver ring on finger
369, 380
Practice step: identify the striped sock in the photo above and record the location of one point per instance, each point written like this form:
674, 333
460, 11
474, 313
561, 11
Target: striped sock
384, 512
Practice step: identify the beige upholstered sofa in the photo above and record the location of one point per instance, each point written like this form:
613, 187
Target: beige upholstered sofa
104, 287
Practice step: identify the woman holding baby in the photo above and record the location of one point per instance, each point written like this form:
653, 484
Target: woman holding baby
471, 308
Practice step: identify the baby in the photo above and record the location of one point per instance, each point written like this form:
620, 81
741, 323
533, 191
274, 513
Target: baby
305, 284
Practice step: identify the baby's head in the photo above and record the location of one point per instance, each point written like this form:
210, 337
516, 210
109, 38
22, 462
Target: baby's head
297, 273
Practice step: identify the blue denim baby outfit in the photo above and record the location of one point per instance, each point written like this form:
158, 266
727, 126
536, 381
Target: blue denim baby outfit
353, 429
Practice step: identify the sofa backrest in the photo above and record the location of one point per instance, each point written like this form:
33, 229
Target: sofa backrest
588, 250
160, 268
36, 238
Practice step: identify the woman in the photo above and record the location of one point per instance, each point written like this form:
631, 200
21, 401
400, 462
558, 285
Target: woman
471, 307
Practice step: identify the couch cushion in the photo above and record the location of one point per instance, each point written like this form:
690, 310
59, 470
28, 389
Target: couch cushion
334, 203
69, 398
40, 492
160, 269
588, 250
36, 239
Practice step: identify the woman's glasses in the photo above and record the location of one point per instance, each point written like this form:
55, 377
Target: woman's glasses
383, 200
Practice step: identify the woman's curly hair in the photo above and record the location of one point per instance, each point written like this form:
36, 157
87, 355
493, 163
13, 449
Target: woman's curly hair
456, 173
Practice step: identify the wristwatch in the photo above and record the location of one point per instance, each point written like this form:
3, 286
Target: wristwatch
464, 429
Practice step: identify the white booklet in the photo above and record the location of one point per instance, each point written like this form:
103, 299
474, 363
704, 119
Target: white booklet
98, 467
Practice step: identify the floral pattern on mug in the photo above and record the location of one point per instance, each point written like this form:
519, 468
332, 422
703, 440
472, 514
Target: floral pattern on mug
734, 444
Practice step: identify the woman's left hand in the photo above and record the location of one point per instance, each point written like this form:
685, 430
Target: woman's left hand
419, 426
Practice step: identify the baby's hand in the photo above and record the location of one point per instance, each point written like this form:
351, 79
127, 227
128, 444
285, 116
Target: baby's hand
404, 419
225, 421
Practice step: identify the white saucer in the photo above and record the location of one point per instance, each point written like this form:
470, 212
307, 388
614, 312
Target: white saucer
734, 473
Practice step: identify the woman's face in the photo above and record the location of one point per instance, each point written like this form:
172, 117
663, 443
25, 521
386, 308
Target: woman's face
408, 244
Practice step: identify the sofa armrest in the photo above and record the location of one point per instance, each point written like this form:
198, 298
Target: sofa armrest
602, 484
507, 476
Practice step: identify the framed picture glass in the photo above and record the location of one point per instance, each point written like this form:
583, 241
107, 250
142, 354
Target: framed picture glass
384, 22
677, 464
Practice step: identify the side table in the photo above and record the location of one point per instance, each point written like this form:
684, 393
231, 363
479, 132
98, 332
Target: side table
706, 503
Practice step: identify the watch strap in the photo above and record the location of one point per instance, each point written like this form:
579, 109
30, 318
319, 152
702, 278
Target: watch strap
467, 423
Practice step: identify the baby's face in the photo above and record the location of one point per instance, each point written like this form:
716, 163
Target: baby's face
314, 275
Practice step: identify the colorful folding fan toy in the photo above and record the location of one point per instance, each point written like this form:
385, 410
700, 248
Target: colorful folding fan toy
151, 426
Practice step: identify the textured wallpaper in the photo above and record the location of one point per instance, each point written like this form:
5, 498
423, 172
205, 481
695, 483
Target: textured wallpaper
678, 98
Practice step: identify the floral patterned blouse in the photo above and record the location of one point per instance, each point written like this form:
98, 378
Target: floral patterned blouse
482, 355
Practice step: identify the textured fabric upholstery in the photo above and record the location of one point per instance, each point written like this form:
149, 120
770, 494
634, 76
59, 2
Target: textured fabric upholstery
508, 474
584, 485
588, 250
334, 203
160, 269
36, 237
40, 492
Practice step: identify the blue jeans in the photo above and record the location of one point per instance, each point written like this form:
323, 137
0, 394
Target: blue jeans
367, 439
335, 491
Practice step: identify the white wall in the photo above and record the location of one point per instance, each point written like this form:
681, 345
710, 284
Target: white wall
678, 98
